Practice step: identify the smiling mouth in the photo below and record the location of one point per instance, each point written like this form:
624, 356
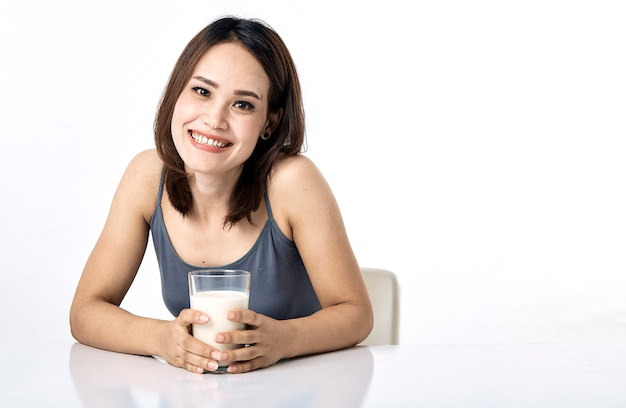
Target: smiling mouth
207, 141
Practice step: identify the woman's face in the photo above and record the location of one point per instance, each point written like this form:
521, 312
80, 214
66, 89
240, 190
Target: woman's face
222, 111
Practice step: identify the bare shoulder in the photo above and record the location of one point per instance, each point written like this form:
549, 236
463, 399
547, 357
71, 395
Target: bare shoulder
140, 182
296, 190
146, 160
144, 169
294, 172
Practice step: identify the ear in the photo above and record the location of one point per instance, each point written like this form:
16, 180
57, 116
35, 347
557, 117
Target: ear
272, 121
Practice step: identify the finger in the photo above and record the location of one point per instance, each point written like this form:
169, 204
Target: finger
196, 355
193, 363
244, 366
196, 369
236, 355
198, 363
239, 337
190, 316
245, 316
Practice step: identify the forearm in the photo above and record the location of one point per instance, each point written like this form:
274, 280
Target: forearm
107, 326
332, 328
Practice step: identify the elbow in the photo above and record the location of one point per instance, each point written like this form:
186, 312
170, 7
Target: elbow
74, 324
366, 325
75, 319
369, 325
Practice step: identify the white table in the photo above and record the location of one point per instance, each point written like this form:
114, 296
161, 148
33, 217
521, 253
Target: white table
65, 374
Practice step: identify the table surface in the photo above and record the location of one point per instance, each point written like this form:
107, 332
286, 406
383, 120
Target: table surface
66, 374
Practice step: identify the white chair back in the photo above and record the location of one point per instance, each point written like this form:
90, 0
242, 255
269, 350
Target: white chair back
384, 291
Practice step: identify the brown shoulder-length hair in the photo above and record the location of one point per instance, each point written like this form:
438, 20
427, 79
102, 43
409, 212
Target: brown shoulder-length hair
285, 98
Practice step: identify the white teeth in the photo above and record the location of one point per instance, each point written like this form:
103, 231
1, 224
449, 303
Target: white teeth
206, 141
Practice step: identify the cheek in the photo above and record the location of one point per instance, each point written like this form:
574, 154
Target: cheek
177, 130
251, 128
182, 111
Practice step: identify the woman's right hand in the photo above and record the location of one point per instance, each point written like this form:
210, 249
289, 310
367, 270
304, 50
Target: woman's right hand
181, 349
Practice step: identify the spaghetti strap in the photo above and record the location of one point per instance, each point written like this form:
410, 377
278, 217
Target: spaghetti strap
160, 193
268, 206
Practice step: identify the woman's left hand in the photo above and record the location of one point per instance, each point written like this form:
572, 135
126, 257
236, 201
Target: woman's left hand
265, 342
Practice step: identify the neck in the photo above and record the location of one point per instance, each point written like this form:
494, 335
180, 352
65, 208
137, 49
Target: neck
211, 195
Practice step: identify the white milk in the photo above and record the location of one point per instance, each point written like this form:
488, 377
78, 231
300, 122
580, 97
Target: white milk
216, 304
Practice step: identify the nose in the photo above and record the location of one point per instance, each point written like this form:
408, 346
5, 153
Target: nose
214, 116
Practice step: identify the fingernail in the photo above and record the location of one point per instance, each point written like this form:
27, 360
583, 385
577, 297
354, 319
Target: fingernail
219, 338
203, 318
212, 365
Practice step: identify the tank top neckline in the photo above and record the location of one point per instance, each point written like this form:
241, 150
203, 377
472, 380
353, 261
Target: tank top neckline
158, 212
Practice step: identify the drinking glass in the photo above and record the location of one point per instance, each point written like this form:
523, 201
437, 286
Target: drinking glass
216, 292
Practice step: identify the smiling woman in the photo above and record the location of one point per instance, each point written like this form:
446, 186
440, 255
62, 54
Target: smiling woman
226, 114
227, 188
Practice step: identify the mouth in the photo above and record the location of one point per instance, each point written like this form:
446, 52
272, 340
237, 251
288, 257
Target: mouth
209, 141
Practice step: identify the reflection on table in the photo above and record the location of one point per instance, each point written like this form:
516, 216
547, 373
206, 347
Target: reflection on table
110, 379
67, 374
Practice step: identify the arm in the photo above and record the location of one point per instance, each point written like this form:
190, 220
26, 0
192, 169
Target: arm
95, 316
318, 230
306, 211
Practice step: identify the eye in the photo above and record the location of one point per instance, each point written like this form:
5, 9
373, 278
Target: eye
243, 105
201, 91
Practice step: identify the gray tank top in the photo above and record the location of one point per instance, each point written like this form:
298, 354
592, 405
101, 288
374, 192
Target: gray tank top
279, 283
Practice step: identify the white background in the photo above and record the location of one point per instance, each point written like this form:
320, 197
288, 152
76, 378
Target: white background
476, 148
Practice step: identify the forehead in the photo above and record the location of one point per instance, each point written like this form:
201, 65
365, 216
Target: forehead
230, 65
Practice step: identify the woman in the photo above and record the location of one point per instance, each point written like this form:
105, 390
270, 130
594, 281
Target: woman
226, 187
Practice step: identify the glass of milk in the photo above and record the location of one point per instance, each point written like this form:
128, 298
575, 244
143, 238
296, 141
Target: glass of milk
216, 292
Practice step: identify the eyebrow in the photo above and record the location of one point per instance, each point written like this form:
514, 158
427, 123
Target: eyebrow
241, 92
